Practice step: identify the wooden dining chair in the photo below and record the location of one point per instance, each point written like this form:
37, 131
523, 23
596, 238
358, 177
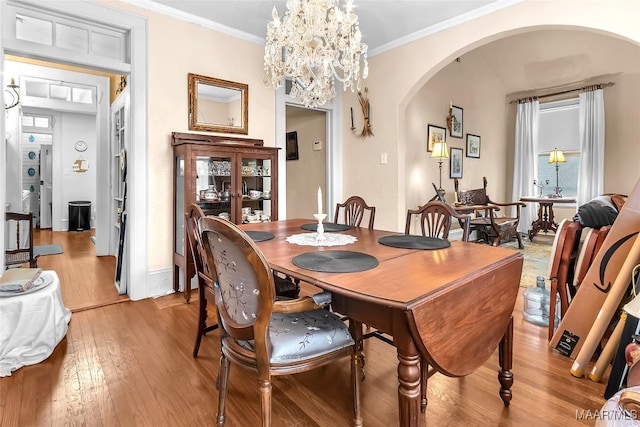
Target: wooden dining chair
353, 211
493, 221
435, 220
286, 287
264, 335
20, 249
204, 275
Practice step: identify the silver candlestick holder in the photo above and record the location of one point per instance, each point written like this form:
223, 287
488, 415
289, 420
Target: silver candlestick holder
320, 229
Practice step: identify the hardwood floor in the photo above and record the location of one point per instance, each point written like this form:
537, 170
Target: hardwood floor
130, 364
86, 280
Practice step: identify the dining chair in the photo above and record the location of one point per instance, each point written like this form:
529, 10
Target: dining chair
203, 273
435, 220
353, 211
20, 250
286, 287
492, 227
268, 336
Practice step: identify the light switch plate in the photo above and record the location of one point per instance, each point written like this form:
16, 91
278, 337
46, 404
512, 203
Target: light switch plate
317, 145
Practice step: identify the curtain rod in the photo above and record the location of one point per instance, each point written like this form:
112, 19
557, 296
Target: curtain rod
588, 87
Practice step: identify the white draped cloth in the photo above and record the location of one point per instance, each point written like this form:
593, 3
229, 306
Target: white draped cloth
525, 162
591, 173
31, 325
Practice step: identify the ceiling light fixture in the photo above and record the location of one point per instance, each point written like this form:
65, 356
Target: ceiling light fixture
314, 44
12, 90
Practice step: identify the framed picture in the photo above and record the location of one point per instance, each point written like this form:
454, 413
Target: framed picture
473, 146
455, 170
292, 145
456, 122
435, 134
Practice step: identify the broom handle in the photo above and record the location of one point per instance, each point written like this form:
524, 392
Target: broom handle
609, 350
619, 287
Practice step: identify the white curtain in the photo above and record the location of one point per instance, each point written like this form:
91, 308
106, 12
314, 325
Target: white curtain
525, 162
591, 172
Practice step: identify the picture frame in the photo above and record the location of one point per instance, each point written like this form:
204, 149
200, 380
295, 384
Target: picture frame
473, 146
435, 134
456, 122
455, 162
292, 146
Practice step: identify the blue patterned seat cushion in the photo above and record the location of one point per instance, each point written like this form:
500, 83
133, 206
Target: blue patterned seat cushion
299, 336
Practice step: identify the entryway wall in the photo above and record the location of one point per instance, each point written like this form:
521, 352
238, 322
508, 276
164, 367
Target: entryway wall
309, 171
70, 124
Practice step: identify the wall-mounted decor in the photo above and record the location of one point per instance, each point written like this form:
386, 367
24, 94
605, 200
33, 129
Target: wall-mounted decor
80, 146
473, 146
365, 106
435, 134
292, 145
218, 105
455, 127
456, 163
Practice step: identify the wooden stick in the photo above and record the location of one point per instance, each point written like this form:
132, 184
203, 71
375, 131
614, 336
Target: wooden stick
609, 350
609, 307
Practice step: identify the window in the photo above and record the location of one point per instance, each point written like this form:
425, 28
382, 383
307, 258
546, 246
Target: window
558, 128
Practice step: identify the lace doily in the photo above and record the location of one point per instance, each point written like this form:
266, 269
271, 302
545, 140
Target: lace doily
330, 239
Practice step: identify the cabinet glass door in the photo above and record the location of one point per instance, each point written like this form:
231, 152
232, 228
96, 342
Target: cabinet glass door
213, 186
180, 208
257, 188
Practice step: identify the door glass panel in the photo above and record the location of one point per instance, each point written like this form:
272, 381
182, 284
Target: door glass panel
257, 184
179, 213
214, 187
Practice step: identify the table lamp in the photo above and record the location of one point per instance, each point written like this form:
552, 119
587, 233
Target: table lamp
556, 156
440, 152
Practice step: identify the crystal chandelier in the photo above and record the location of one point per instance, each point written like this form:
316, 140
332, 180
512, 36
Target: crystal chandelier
314, 44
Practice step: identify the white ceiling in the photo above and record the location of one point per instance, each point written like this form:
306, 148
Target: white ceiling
384, 23
533, 60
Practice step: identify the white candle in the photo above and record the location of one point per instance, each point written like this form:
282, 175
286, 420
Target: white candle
319, 200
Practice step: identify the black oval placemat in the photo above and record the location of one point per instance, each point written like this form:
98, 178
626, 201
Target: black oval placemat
405, 241
335, 261
259, 236
328, 226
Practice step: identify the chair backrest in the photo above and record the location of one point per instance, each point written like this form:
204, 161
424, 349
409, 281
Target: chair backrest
193, 216
352, 212
20, 249
476, 196
435, 220
244, 286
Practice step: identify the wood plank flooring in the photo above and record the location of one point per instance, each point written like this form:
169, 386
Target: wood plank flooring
130, 364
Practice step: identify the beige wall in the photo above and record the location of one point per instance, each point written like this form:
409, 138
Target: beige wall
472, 85
176, 48
309, 171
396, 77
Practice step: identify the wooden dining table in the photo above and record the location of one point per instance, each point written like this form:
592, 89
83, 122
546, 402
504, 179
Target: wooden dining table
452, 306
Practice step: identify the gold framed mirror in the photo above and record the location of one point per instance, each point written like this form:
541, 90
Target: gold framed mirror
217, 105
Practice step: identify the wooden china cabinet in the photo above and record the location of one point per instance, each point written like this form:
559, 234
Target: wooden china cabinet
227, 177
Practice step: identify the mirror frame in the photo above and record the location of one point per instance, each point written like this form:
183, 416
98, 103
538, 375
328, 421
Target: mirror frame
194, 80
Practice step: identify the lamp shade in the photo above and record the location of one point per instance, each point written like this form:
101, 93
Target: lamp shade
556, 156
440, 150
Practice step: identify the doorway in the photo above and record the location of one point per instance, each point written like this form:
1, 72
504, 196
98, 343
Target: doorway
307, 170
131, 31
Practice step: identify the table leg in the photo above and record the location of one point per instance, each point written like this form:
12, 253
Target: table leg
505, 356
408, 379
536, 225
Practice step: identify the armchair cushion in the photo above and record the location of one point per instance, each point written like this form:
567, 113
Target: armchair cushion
305, 335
